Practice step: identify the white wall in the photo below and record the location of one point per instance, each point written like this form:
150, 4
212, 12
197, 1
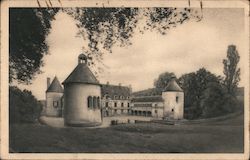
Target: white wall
76, 103
50, 109
170, 103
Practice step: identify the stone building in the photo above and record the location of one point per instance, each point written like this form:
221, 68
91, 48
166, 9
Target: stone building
84, 101
115, 100
149, 106
82, 93
168, 104
54, 98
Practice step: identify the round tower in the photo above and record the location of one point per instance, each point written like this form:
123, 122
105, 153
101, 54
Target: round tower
54, 95
173, 100
82, 94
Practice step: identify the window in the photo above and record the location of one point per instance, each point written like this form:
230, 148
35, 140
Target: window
155, 111
121, 97
106, 104
122, 111
156, 105
176, 99
115, 96
172, 110
55, 104
98, 102
95, 102
115, 111
122, 104
90, 102
128, 104
115, 104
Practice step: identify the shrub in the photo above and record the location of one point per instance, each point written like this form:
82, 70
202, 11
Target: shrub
23, 106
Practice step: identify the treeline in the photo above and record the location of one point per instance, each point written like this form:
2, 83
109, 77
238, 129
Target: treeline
208, 95
23, 106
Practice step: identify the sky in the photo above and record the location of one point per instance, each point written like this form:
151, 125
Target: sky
184, 49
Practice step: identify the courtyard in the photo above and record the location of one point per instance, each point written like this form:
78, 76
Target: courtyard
225, 136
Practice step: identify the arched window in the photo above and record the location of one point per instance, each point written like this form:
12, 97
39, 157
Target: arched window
90, 102
122, 104
98, 102
94, 102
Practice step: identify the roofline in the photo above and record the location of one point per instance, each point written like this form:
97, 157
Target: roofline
53, 91
81, 83
174, 91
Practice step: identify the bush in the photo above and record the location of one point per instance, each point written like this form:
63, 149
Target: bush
23, 106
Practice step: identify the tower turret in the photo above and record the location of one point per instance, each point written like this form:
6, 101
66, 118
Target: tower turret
54, 95
82, 94
173, 100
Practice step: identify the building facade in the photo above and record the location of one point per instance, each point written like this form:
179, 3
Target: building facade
84, 101
115, 100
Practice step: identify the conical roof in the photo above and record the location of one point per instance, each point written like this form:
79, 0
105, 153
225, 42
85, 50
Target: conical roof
81, 74
173, 86
55, 86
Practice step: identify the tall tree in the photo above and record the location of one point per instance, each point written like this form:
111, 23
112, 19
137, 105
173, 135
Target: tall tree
103, 27
231, 70
193, 85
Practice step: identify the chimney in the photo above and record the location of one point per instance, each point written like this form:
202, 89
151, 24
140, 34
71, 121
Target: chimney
48, 82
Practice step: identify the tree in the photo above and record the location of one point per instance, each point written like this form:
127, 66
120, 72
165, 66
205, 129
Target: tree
103, 27
162, 81
231, 71
23, 106
193, 85
28, 29
216, 101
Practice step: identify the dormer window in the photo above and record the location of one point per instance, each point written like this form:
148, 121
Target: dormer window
177, 99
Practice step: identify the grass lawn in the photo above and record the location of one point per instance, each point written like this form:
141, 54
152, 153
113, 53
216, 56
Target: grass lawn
214, 137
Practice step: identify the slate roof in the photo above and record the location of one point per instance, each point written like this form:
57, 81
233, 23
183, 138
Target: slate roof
55, 86
81, 74
147, 99
115, 91
173, 86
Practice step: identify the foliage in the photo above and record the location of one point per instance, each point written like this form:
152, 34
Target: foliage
193, 85
28, 29
231, 71
102, 27
216, 101
162, 81
23, 106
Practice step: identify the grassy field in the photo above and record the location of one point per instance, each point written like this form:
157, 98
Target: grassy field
214, 137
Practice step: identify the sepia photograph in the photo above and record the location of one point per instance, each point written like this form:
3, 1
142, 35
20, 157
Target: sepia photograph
133, 80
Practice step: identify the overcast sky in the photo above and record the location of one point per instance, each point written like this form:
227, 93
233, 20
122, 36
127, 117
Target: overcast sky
184, 49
